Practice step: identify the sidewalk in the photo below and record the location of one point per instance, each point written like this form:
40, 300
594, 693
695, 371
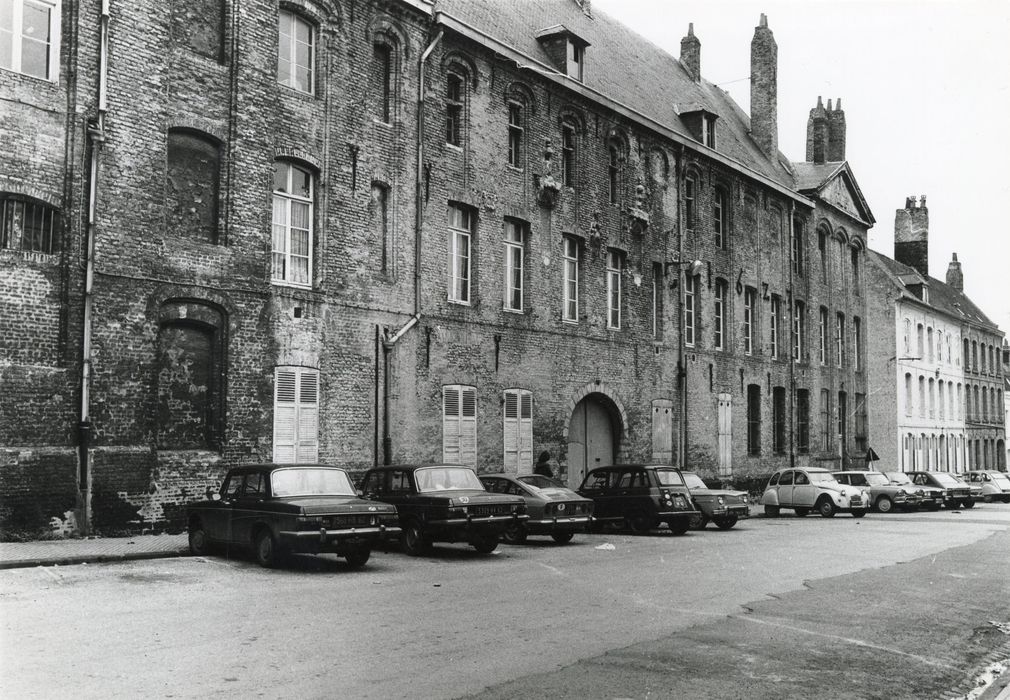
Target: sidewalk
16, 555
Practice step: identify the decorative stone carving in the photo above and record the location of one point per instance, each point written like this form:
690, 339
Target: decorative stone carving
548, 189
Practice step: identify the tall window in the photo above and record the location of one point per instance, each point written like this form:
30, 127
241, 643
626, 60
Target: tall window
515, 237
929, 344
825, 420
719, 314
822, 251
779, 420
922, 396
568, 155
518, 431
919, 342
296, 52
802, 421
932, 398
570, 285
296, 415
708, 130
191, 185
857, 344
753, 419
797, 248
292, 224
839, 340
857, 281
28, 224
689, 187
615, 265
690, 307
749, 298
860, 432
614, 172
453, 109
516, 133
657, 301
719, 218
843, 423
576, 60
459, 425
799, 330
30, 37
775, 321
382, 67
822, 332
461, 226
940, 400
380, 219
908, 394
908, 337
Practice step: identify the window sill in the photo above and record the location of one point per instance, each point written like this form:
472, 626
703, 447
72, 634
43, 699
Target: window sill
28, 76
514, 312
453, 147
515, 168
570, 322
308, 95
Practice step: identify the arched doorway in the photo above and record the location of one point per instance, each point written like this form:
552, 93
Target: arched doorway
593, 437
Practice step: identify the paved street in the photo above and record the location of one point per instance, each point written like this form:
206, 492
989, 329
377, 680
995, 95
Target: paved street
904, 605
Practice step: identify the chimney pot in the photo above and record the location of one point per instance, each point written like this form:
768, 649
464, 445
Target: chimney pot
955, 277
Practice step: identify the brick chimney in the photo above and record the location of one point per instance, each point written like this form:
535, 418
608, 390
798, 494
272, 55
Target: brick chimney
690, 54
836, 132
764, 89
911, 235
817, 134
955, 278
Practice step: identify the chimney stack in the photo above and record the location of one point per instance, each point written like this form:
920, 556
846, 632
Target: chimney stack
817, 134
690, 54
764, 89
955, 278
836, 132
911, 235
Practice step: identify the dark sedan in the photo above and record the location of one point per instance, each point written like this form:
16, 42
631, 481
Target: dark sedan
955, 491
276, 509
553, 509
640, 496
443, 503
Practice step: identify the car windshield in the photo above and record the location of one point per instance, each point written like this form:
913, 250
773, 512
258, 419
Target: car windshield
540, 481
876, 479
821, 477
447, 479
693, 481
1001, 479
898, 478
669, 477
946, 479
310, 482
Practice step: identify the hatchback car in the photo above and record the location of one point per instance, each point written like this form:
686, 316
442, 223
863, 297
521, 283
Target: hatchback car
724, 507
955, 491
995, 485
812, 488
640, 496
882, 494
443, 503
932, 496
275, 509
553, 509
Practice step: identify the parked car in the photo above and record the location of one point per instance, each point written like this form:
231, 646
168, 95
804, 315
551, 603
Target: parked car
882, 494
553, 509
995, 485
640, 496
932, 496
955, 491
443, 503
724, 507
276, 509
811, 488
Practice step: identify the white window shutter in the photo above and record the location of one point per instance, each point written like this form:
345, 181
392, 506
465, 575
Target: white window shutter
285, 415
296, 415
511, 432
525, 432
450, 425
308, 417
468, 427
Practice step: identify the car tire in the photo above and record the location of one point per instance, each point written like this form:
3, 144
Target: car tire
641, 523
884, 504
698, 522
726, 523
515, 534
968, 503
679, 526
199, 545
265, 549
1006, 499
858, 513
413, 540
485, 544
359, 557
772, 511
562, 537
826, 508
801, 512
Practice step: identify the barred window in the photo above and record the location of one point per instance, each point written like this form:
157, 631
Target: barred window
28, 224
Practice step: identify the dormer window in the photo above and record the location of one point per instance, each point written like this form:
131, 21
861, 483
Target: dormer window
708, 130
701, 123
576, 59
565, 49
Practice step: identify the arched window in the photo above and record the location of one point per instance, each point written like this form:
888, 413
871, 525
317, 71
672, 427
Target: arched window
293, 215
28, 224
719, 217
614, 170
517, 133
191, 185
569, 153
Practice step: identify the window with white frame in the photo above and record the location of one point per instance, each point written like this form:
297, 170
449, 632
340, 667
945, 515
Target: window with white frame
857, 344
515, 238
719, 315
774, 319
719, 218
799, 330
454, 109
576, 60
839, 340
568, 155
292, 224
30, 37
657, 300
615, 265
570, 284
460, 236
690, 307
908, 394
613, 172
689, 190
822, 332
296, 52
516, 134
749, 296
459, 425
296, 415
518, 431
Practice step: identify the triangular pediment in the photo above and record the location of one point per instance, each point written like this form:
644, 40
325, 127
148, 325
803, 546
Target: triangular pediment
840, 192
835, 185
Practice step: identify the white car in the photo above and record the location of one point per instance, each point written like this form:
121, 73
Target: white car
809, 488
995, 485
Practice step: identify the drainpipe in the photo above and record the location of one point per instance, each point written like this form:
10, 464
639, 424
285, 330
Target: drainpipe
388, 342
96, 137
681, 355
795, 332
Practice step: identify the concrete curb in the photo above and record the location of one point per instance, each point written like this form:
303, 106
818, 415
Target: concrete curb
90, 559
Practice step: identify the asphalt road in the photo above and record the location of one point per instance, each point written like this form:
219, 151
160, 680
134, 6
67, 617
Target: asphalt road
895, 606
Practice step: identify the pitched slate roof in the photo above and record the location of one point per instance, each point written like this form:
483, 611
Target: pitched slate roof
624, 67
942, 296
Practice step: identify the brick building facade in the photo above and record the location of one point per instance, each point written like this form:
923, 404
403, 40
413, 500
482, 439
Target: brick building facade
362, 232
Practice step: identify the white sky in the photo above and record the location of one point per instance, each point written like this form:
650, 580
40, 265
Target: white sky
925, 85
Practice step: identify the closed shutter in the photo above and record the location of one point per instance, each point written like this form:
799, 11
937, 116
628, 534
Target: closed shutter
725, 435
296, 415
511, 432
468, 427
518, 432
450, 424
662, 431
525, 433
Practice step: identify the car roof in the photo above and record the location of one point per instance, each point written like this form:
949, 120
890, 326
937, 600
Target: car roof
637, 466
388, 467
271, 466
